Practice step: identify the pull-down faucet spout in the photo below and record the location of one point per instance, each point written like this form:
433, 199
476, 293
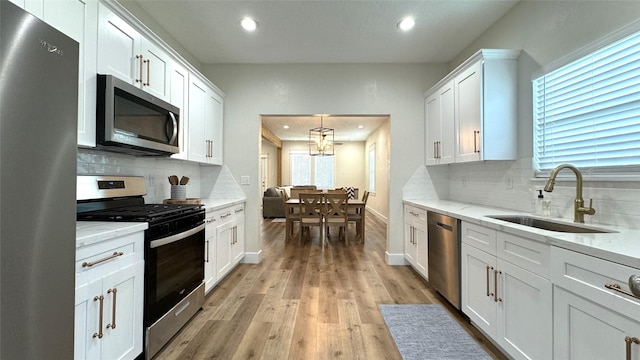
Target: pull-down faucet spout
578, 206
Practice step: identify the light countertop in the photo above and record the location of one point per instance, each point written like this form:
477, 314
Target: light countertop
215, 204
621, 246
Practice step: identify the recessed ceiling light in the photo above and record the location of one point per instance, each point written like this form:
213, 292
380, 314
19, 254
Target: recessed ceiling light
286, 126
249, 24
360, 127
406, 24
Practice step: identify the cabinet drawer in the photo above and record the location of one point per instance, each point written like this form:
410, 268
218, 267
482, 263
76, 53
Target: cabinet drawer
479, 237
587, 276
227, 214
527, 254
106, 256
411, 212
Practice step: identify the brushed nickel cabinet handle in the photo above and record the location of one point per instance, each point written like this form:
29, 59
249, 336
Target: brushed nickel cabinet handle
476, 141
148, 61
439, 150
140, 60
435, 149
99, 333
628, 340
113, 291
495, 280
207, 252
618, 288
90, 264
489, 268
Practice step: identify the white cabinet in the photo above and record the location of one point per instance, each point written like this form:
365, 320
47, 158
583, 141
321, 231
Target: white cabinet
439, 126
482, 92
590, 320
34, 7
415, 239
179, 96
504, 292
126, 54
224, 243
205, 123
109, 299
78, 20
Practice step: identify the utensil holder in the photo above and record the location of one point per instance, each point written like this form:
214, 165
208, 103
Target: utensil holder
178, 192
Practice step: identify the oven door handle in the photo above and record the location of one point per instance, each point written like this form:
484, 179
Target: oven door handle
176, 237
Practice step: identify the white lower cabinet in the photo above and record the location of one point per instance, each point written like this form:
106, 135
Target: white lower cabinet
109, 299
590, 320
224, 245
506, 300
415, 239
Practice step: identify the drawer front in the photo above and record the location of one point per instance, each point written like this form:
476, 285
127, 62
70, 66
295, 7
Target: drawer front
479, 237
587, 276
411, 212
110, 255
525, 253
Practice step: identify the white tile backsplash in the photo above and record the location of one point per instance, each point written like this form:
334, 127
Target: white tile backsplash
511, 185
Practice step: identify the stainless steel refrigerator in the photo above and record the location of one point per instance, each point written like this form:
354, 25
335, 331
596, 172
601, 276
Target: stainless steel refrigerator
38, 117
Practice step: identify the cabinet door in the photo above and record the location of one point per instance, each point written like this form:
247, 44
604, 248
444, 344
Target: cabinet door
468, 109
585, 330
213, 126
118, 46
422, 248
78, 20
197, 102
409, 245
210, 269
87, 316
224, 237
478, 288
432, 127
525, 313
237, 249
179, 97
123, 317
156, 71
447, 124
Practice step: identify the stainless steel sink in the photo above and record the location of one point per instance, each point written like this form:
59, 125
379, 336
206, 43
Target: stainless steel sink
545, 224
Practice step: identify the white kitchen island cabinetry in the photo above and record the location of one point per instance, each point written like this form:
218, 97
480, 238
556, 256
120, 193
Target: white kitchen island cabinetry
471, 114
416, 250
110, 298
505, 291
591, 321
224, 246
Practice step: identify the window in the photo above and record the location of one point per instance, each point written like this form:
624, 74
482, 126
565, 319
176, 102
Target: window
372, 168
587, 113
311, 170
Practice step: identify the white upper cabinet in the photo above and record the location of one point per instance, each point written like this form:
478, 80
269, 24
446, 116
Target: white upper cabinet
205, 123
179, 96
474, 108
126, 54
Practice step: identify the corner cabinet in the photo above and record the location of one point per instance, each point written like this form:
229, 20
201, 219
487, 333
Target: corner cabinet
505, 290
415, 239
224, 245
109, 299
590, 319
473, 110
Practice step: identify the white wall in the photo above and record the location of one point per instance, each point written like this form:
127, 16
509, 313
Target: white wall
394, 89
378, 201
546, 31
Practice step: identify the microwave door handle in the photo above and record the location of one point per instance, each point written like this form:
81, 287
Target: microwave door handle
174, 134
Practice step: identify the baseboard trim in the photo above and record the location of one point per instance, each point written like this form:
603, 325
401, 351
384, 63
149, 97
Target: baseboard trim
394, 259
252, 257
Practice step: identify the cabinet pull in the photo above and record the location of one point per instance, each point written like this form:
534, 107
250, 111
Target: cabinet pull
113, 291
148, 61
210, 148
239, 210
618, 288
630, 340
439, 150
140, 60
207, 252
435, 149
225, 215
90, 264
489, 268
476, 141
99, 333
495, 279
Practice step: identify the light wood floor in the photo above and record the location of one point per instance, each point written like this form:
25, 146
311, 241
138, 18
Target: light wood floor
302, 303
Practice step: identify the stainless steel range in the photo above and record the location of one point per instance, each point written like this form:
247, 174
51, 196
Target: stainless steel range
174, 250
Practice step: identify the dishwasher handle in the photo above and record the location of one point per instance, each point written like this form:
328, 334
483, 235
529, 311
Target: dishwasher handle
444, 226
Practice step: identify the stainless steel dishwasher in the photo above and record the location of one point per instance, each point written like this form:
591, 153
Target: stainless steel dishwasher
443, 233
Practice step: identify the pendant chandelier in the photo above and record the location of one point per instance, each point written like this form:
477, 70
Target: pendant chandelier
321, 140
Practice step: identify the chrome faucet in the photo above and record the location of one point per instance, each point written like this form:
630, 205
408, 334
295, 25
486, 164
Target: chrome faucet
578, 205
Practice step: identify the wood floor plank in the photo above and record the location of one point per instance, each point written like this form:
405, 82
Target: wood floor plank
303, 342
280, 335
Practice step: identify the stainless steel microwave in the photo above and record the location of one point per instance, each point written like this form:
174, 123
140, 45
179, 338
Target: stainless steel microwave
129, 120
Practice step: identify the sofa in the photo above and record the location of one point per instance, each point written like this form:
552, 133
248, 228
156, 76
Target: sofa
272, 200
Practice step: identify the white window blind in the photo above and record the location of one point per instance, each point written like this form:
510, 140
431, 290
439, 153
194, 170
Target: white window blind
587, 113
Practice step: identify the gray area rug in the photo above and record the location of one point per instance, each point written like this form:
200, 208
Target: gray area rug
428, 332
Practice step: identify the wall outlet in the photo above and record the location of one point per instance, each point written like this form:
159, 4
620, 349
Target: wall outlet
244, 180
509, 183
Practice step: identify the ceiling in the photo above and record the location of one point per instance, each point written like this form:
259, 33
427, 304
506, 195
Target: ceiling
323, 31
346, 127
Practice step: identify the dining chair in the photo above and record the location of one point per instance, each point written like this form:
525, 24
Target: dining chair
291, 214
357, 217
336, 213
311, 211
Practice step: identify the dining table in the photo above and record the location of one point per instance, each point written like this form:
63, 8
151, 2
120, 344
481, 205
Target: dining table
356, 205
